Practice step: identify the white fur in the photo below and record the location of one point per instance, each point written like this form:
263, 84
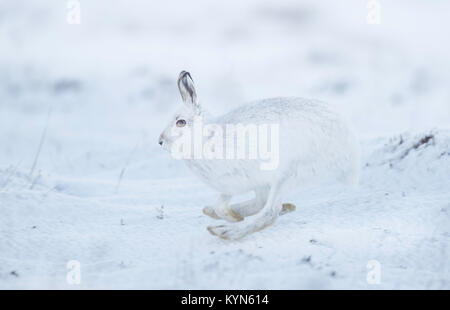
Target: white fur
316, 146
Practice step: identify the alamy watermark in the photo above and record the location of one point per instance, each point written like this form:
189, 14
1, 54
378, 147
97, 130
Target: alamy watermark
374, 12
226, 142
73, 12
73, 276
374, 274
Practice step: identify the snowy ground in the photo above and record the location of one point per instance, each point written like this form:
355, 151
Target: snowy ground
103, 193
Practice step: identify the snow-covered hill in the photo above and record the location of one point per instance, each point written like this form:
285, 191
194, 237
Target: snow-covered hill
151, 234
82, 177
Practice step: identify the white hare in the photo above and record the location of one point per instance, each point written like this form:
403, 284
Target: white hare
315, 146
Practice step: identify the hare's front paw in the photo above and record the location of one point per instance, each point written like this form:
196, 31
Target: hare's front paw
226, 214
209, 211
228, 231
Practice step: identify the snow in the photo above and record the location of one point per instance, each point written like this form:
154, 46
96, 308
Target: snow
105, 194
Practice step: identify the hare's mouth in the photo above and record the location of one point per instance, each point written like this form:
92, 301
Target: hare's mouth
165, 144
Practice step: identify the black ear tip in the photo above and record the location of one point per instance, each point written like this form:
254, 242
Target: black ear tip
184, 74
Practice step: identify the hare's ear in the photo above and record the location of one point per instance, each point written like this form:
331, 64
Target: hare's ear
187, 88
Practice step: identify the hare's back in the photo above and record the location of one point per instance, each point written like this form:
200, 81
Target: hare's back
279, 109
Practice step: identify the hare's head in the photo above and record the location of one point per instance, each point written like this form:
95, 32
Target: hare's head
182, 122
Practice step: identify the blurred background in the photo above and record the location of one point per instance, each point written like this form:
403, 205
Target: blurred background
110, 81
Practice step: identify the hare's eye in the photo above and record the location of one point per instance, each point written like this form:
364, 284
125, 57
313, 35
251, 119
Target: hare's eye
181, 123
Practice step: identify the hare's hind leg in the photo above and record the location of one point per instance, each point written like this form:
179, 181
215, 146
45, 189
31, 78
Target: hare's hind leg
252, 206
237, 212
222, 210
261, 220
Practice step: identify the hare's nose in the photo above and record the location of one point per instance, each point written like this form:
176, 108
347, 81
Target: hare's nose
160, 140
